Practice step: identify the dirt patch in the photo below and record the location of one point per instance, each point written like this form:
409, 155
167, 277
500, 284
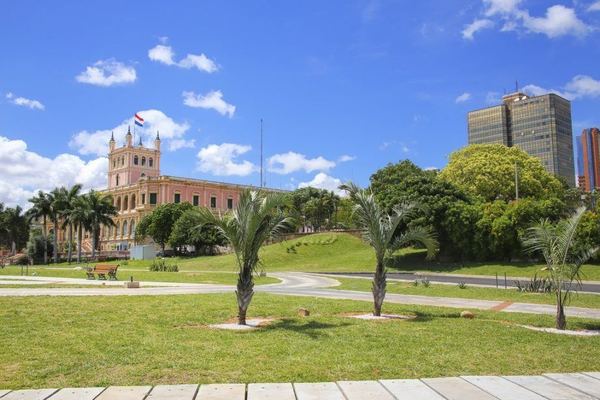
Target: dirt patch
583, 332
383, 317
251, 324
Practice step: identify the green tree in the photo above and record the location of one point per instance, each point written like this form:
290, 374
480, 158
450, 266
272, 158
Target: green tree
257, 218
14, 228
204, 239
58, 205
37, 245
557, 244
380, 232
71, 197
41, 209
314, 207
100, 210
79, 218
158, 225
487, 171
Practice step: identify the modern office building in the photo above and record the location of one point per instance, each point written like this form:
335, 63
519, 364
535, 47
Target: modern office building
539, 125
588, 159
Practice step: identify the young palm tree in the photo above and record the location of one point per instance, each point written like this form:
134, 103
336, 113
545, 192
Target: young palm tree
71, 196
563, 263
257, 218
41, 209
380, 232
100, 212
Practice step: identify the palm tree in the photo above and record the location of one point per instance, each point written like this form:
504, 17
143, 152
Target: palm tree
381, 233
100, 210
79, 218
58, 205
563, 262
71, 196
257, 218
41, 209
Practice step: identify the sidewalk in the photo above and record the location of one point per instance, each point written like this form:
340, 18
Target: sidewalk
576, 386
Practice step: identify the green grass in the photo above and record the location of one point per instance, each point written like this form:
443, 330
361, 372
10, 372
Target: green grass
470, 292
164, 339
340, 252
143, 275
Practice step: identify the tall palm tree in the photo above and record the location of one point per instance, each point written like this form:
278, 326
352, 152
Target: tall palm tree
100, 212
563, 262
71, 196
79, 218
41, 209
257, 218
58, 205
381, 233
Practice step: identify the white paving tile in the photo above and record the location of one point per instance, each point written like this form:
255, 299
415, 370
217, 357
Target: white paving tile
318, 391
271, 391
173, 392
548, 388
501, 388
457, 389
364, 390
581, 382
29, 394
593, 374
222, 392
124, 393
77, 393
410, 389
3, 392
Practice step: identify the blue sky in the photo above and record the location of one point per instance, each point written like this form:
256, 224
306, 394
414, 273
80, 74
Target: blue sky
343, 87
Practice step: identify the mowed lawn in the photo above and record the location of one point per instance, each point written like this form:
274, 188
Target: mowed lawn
61, 342
470, 292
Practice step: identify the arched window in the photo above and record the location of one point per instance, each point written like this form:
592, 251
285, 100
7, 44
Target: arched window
143, 160
135, 160
150, 162
124, 231
114, 163
132, 206
126, 203
118, 205
118, 229
132, 228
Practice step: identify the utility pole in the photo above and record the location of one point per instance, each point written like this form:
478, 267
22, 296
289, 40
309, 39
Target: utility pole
261, 153
516, 181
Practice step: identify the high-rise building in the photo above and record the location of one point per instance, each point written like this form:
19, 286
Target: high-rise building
588, 159
539, 125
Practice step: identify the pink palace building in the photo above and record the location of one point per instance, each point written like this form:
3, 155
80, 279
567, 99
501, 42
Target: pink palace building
136, 185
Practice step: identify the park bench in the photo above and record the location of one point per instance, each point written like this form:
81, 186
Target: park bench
102, 270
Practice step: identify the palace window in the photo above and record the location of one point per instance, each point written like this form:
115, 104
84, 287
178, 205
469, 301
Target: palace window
117, 180
213, 202
135, 160
143, 198
230, 203
196, 200
150, 162
177, 198
152, 198
143, 161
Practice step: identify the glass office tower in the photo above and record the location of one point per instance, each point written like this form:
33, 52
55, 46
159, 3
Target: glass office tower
588, 159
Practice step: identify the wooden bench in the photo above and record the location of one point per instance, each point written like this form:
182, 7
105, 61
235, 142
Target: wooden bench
102, 270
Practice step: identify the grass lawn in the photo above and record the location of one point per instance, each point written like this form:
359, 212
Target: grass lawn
143, 275
340, 252
470, 292
164, 339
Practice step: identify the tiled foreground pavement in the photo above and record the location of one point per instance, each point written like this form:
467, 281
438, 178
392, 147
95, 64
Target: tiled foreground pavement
577, 386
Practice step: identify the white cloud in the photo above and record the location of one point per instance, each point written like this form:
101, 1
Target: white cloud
346, 158
107, 73
463, 97
323, 181
580, 86
220, 160
164, 54
172, 132
494, 7
212, 100
23, 172
289, 162
594, 6
475, 26
24, 102
559, 21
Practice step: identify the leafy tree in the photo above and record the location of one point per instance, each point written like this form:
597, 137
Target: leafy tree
158, 225
487, 171
380, 233
14, 228
78, 216
100, 210
37, 245
41, 209
185, 234
71, 197
58, 205
257, 218
557, 244
315, 207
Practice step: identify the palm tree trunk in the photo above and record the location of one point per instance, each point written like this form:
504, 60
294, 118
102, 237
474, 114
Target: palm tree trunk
55, 241
561, 318
93, 243
13, 248
378, 289
45, 234
70, 249
244, 293
79, 240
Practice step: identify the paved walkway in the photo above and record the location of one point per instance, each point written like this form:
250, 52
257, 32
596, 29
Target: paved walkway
292, 284
577, 386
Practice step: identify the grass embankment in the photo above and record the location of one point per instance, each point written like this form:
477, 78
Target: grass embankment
470, 292
340, 252
141, 275
154, 340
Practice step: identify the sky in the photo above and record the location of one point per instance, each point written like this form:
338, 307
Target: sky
343, 87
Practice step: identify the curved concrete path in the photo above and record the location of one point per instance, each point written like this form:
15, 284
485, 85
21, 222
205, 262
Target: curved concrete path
292, 284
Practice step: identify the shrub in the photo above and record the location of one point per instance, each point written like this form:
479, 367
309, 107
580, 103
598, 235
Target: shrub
425, 282
162, 266
535, 285
462, 285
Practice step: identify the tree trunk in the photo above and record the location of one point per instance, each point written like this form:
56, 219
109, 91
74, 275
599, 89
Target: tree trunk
55, 241
244, 293
79, 241
378, 289
45, 235
93, 244
13, 248
561, 318
70, 249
